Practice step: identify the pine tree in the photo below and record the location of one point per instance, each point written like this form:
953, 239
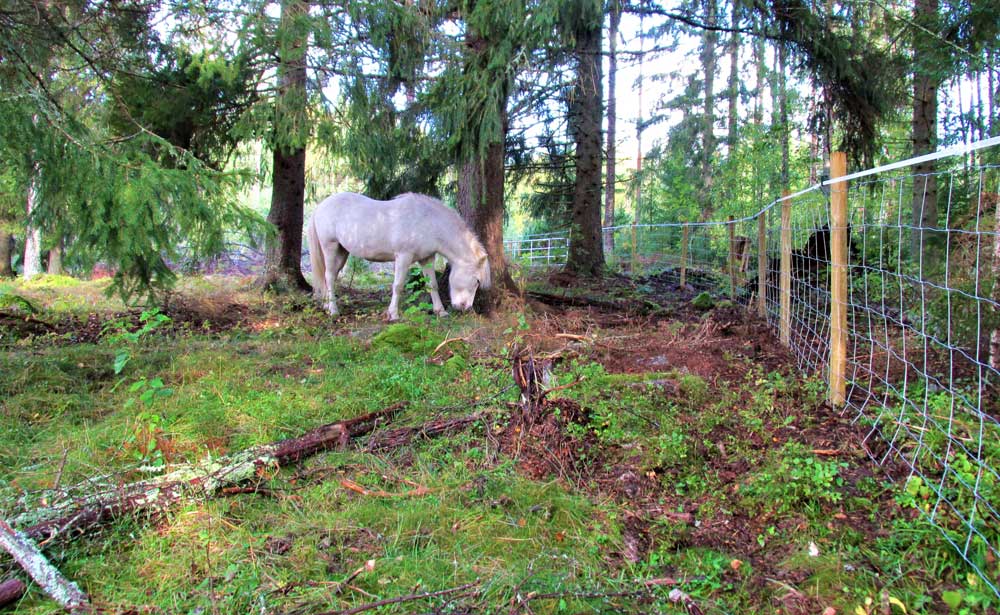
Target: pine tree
586, 250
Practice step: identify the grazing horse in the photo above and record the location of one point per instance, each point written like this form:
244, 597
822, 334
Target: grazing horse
410, 228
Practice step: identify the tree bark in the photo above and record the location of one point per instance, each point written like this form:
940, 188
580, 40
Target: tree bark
6, 254
55, 265
282, 266
708, 62
586, 250
734, 80
783, 112
30, 558
480, 202
759, 59
609, 173
10, 591
32, 264
924, 135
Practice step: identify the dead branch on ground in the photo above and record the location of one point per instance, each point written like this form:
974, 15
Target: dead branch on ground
30, 558
11, 591
202, 479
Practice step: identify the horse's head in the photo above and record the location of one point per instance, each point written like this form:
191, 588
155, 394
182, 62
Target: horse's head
466, 279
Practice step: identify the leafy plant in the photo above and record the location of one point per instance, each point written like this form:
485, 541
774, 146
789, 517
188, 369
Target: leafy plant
117, 333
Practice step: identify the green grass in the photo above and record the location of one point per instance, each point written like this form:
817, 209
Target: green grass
184, 394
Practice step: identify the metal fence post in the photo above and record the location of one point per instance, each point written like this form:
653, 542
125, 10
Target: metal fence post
785, 320
838, 279
684, 253
762, 264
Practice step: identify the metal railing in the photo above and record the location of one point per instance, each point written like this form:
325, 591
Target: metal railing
542, 250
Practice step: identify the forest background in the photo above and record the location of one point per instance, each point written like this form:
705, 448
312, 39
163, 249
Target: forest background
138, 132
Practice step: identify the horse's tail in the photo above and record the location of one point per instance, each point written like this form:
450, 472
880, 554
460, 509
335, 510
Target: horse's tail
318, 262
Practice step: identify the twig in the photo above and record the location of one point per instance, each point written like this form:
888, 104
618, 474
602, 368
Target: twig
347, 483
448, 341
829, 452
368, 567
564, 386
407, 598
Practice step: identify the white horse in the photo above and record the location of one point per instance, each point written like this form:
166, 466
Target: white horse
410, 228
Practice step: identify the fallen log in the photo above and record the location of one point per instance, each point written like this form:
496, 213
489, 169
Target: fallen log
30, 558
396, 438
11, 590
206, 478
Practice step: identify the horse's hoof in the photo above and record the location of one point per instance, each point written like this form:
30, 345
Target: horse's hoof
442, 313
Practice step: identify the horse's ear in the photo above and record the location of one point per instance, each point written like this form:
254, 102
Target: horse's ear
484, 267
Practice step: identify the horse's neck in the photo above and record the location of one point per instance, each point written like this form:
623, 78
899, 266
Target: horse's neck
457, 247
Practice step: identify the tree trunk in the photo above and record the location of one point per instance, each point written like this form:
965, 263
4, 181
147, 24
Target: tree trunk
480, 201
759, 60
55, 266
6, 254
783, 112
586, 250
991, 58
708, 62
638, 129
609, 173
734, 80
32, 238
924, 135
282, 267
480, 198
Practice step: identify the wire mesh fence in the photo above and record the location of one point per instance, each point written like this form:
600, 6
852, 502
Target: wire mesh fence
921, 318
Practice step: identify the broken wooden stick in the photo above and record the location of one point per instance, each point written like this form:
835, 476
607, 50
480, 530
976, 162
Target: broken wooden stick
198, 479
30, 558
11, 590
347, 483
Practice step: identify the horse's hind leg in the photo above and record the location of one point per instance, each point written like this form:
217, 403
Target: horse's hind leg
427, 265
335, 257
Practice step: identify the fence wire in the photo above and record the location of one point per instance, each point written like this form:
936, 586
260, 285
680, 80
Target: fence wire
923, 319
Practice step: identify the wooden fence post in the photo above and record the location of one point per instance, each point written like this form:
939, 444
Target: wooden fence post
635, 254
838, 279
731, 226
785, 285
684, 254
762, 264
995, 335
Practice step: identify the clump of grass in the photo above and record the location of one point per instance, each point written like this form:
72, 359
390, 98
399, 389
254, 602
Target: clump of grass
408, 338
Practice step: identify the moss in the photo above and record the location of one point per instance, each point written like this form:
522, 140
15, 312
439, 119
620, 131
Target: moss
45, 281
407, 338
703, 301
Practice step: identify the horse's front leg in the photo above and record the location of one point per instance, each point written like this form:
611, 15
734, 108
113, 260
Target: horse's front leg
432, 285
403, 262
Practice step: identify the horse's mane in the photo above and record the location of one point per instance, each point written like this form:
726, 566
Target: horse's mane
473, 241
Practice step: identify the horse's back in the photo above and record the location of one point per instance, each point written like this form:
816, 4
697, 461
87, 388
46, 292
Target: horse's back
378, 230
